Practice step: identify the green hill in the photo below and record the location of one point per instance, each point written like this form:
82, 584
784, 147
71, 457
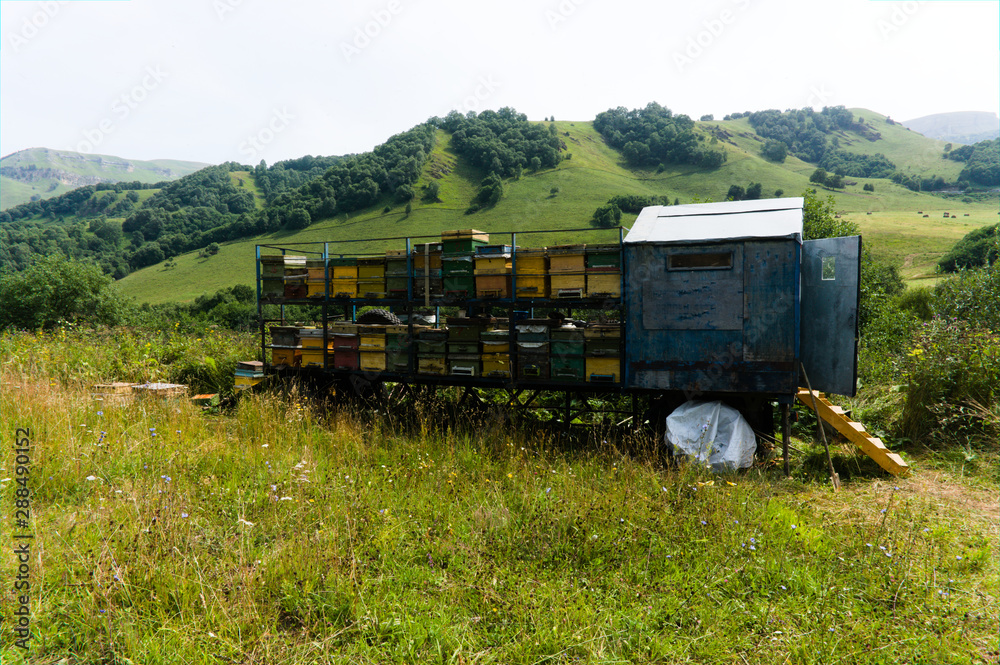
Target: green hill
565, 197
47, 173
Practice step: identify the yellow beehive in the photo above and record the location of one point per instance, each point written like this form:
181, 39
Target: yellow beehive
373, 361
432, 365
567, 258
371, 288
316, 289
496, 365
604, 285
531, 269
603, 370
371, 268
372, 342
312, 357
247, 381
498, 264
291, 357
567, 285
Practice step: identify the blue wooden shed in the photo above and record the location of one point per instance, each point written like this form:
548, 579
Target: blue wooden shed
726, 297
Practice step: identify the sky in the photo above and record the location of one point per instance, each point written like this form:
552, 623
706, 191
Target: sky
246, 80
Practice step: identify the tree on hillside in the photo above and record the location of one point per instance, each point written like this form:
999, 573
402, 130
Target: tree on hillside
57, 289
818, 176
774, 151
298, 219
735, 193
432, 191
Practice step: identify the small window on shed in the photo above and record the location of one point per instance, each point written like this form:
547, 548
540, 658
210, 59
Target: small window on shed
829, 270
700, 261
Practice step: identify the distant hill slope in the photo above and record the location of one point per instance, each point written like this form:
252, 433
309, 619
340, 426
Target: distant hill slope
565, 197
45, 173
966, 127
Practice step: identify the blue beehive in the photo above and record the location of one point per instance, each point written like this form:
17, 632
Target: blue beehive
715, 296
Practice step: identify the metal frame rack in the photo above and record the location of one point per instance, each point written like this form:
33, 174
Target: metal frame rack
332, 306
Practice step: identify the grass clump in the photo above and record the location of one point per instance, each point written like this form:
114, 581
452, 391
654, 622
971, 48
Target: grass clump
280, 533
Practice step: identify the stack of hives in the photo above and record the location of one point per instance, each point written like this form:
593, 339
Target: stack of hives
344, 277
315, 278
458, 262
283, 277
532, 271
493, 271
314, 348
603, 352
427, 271
567, 353
248, 374
567, 271
346, 344
604, 271
371, 277
286, 347
432, 351
396, 276
533, 349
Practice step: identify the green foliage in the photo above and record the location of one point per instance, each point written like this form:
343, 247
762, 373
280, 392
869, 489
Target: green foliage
501, 141
55, 290
404, 194
977, 249
774, 151
298, 218
982, 164
490, 191
953, 384
804, 132
818, 176
634, 203
655, 135
431, 191
971, 295
868, 187
857, 165
607, 215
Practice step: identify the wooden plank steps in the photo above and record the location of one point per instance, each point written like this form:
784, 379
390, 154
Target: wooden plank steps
855, 433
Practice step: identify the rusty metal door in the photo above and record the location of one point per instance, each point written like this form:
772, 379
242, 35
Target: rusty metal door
831, 292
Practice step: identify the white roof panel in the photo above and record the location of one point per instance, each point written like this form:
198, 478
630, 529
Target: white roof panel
729, 220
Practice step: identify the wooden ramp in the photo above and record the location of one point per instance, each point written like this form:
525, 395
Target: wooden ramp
855, 433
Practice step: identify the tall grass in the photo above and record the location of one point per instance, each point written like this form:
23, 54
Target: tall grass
281, 533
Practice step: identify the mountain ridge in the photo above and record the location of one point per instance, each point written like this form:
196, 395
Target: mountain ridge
40, 173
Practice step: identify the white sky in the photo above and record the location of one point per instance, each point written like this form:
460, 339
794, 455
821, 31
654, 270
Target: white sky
244, 80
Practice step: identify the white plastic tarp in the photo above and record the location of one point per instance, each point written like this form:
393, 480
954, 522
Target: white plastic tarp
711, 433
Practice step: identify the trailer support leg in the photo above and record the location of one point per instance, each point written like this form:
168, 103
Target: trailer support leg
786, 434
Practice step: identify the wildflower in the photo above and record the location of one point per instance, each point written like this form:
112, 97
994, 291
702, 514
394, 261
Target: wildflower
91, 478
794, 527
184, 515
752, 548
832, 629
868, 544
926, 530
783, 587
958, 558
882, 511
703, 522
548, 489
100, 413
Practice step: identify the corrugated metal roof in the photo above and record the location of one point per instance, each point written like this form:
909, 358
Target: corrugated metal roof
729, 220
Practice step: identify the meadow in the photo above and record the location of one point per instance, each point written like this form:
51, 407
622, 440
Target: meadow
284, 530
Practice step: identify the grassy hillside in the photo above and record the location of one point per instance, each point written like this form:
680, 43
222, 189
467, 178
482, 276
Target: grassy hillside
47, 173
588, 179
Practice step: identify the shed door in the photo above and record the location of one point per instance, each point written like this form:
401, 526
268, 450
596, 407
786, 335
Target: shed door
831, 277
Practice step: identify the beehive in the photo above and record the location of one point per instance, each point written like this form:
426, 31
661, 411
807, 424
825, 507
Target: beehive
567, 258
496, 365
603, 370
531, 270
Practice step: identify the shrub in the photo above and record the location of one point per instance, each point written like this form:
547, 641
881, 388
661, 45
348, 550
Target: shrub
972, 295
953, 378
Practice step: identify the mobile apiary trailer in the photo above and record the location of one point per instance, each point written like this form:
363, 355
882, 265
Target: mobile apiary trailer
727, 297
709, 300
